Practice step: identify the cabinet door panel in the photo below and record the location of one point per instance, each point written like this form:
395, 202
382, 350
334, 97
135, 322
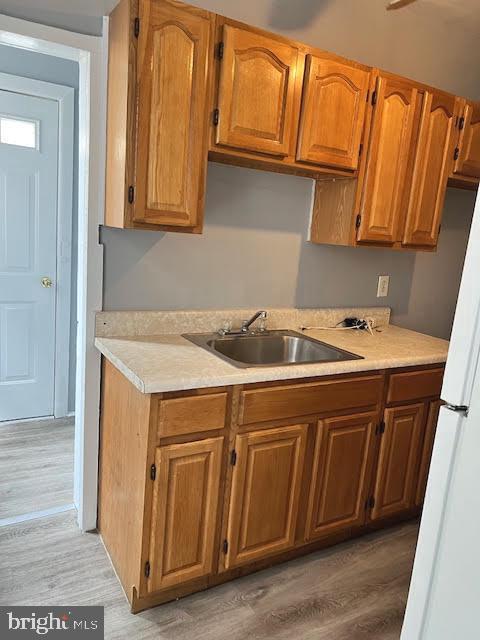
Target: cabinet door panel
433, 164
173, 62
184, 512
396, 480
257, 92
427, 449
341, 474
468, 162
265, 493
391, 145
333, 112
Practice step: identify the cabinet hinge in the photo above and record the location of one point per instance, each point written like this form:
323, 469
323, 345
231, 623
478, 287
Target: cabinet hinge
146, 571
233, 458
216, 116
153, 472
136, 27
225, 546
456, 153
368, 95
374, 98
461, 123
360, 150
131, 194
380, 427
220, 50
358, 221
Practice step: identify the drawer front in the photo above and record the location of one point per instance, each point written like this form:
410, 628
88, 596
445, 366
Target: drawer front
192, 414
289, 401
412, 385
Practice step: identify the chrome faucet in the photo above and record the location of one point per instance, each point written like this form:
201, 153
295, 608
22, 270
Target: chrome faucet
227, 330
246, 324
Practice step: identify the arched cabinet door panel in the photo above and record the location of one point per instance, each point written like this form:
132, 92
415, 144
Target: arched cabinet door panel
172, 146
333, 113
432, 166
395, 119
256, 92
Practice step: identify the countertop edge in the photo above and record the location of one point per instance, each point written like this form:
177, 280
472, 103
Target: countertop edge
265, 374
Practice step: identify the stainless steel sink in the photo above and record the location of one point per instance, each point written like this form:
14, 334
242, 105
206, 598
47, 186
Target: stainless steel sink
269, 348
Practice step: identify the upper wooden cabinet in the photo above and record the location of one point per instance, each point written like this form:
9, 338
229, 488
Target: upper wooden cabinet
256, 92
432, 166
265, 493
333, 113
185, 85
396, 113
173, 50
468, 153
158, 106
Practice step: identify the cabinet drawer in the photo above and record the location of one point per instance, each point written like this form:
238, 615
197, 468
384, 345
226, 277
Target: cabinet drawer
289, 401
412, 385
191, 414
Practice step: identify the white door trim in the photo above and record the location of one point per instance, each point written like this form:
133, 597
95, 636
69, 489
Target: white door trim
65, 97
91, 54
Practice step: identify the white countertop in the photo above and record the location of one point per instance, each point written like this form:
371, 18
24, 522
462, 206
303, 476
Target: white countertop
159, 363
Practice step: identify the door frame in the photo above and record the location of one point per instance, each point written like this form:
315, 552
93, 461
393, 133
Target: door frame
65, 98
91, 53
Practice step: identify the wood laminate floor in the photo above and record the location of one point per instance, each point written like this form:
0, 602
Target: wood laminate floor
36, 466
354, 591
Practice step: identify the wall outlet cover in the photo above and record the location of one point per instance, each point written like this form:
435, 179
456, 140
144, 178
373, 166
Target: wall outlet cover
383, 284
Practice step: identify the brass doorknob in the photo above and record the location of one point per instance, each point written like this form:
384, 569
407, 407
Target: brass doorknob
46, 282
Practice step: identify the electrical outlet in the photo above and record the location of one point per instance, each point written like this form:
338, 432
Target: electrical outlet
383, 284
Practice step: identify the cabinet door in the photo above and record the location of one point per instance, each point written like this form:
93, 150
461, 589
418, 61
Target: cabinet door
333, 113
256, 93
433, 164
174, 47
341, 474
427, 449
468, 161
396, 480
265, 493
184, 512
390, 148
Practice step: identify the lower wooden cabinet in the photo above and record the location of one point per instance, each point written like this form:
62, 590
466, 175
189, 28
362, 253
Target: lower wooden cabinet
341, 474
396, 479
430, 430
180, 511
265, 493
184, 512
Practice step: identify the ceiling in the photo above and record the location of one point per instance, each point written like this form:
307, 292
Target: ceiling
66, 7
103, 7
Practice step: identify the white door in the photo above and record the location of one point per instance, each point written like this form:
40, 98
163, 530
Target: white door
28, 260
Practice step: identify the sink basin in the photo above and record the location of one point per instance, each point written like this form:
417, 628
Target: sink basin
271, 348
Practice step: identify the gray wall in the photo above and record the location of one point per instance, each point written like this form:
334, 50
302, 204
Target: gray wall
253, 251
59, 71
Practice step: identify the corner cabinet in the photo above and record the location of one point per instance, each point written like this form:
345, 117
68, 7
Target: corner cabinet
467, 153
397, 200
202, 486
158, 97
